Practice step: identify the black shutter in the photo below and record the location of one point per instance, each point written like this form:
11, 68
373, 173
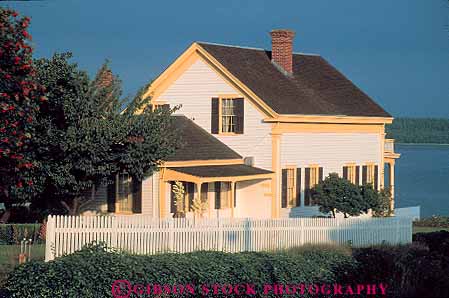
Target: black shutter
364, 174
284, 189
357, 174
217, 195
298, 187
239, 111
137, 196
149, 107
111, 196
214, 116
172, 198
320, 174
307, 186
376, 180
345, 172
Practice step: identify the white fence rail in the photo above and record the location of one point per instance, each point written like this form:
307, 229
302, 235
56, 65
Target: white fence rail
144, 235
412, 212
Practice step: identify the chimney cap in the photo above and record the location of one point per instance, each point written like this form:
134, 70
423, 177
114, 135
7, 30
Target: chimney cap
286, 32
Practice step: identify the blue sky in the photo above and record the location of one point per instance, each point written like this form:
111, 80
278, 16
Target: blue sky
396, 51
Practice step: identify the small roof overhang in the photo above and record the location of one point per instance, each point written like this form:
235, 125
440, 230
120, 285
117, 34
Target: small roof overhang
203, 174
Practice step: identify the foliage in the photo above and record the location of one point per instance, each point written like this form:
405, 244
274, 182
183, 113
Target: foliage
336, 194
433, 221
179, 194
419, 130
39, 279
84, 138
417, 270
19, 101
14, 233
199, 206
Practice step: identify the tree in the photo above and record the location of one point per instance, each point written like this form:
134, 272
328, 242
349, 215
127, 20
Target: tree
336, 194
19, 101
85, 138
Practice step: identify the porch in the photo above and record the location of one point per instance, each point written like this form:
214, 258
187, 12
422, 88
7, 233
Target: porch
390, 157
227, 191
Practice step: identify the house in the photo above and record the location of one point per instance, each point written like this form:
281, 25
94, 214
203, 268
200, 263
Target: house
261, 128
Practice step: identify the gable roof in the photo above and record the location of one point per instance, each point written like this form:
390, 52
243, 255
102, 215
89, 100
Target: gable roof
198, 144
316, 87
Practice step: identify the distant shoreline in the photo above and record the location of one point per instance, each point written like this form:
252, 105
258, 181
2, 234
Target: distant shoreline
423, 144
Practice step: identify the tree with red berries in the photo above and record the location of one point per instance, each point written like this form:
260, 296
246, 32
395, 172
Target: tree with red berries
19, 101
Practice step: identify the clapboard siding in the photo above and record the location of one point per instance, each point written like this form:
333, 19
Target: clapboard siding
194, 89
328, 150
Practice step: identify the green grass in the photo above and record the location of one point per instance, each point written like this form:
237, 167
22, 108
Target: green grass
9, 257
428, 229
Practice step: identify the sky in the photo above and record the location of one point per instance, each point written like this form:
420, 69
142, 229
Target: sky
395, 51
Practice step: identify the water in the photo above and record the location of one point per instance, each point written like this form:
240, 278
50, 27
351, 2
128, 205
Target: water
422, 178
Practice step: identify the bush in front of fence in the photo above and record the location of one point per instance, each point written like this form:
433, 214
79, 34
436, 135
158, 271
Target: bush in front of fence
91, 272
409, 270
433, 221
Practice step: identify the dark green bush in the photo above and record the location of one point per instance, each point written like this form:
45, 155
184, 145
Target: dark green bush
91, 272
436, 241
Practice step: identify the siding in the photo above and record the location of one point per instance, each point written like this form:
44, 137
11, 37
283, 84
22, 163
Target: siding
194, 90
330, 151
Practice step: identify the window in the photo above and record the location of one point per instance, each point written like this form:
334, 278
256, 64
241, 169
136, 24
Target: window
351, 173
291, 187
222, 195
227, 115
313, 176
291, 190
160, 106
124, 193
370, 174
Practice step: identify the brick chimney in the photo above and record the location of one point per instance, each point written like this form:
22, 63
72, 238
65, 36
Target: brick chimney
282, 48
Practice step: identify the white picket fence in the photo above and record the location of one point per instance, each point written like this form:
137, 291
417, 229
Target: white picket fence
145, 235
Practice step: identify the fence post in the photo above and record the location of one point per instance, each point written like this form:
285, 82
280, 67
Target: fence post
114, 232
171, 235
50, 238
302, 231
220, 235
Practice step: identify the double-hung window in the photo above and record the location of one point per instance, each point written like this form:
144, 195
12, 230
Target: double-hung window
228, 116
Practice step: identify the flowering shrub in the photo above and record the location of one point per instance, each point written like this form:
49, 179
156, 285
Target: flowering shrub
19, 101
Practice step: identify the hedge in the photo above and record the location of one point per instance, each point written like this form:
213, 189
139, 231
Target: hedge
433, 221
91, 272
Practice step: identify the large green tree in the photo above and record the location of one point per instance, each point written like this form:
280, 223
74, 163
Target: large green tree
336, 194
85, 137
19, 101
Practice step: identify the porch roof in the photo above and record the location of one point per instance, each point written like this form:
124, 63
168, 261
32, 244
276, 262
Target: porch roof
237, 172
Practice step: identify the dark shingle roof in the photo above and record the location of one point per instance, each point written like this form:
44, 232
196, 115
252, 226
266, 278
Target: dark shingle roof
198, 144
222, 171
316, 87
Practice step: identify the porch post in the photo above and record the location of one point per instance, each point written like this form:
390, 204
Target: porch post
232, 198
198, 193
392, 184
162, 191
276, 180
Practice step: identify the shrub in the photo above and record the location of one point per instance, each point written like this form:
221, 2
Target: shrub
91, 272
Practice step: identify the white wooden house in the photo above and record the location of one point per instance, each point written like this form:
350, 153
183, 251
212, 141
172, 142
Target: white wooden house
260, 128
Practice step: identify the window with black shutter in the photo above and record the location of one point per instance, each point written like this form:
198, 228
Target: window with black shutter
227, 115
125, 195
350, 173
291, 187
312, 176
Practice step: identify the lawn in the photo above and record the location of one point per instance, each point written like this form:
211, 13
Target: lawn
9, 257
428, 229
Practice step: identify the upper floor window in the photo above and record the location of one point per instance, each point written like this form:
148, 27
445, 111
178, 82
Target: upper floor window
227, 115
